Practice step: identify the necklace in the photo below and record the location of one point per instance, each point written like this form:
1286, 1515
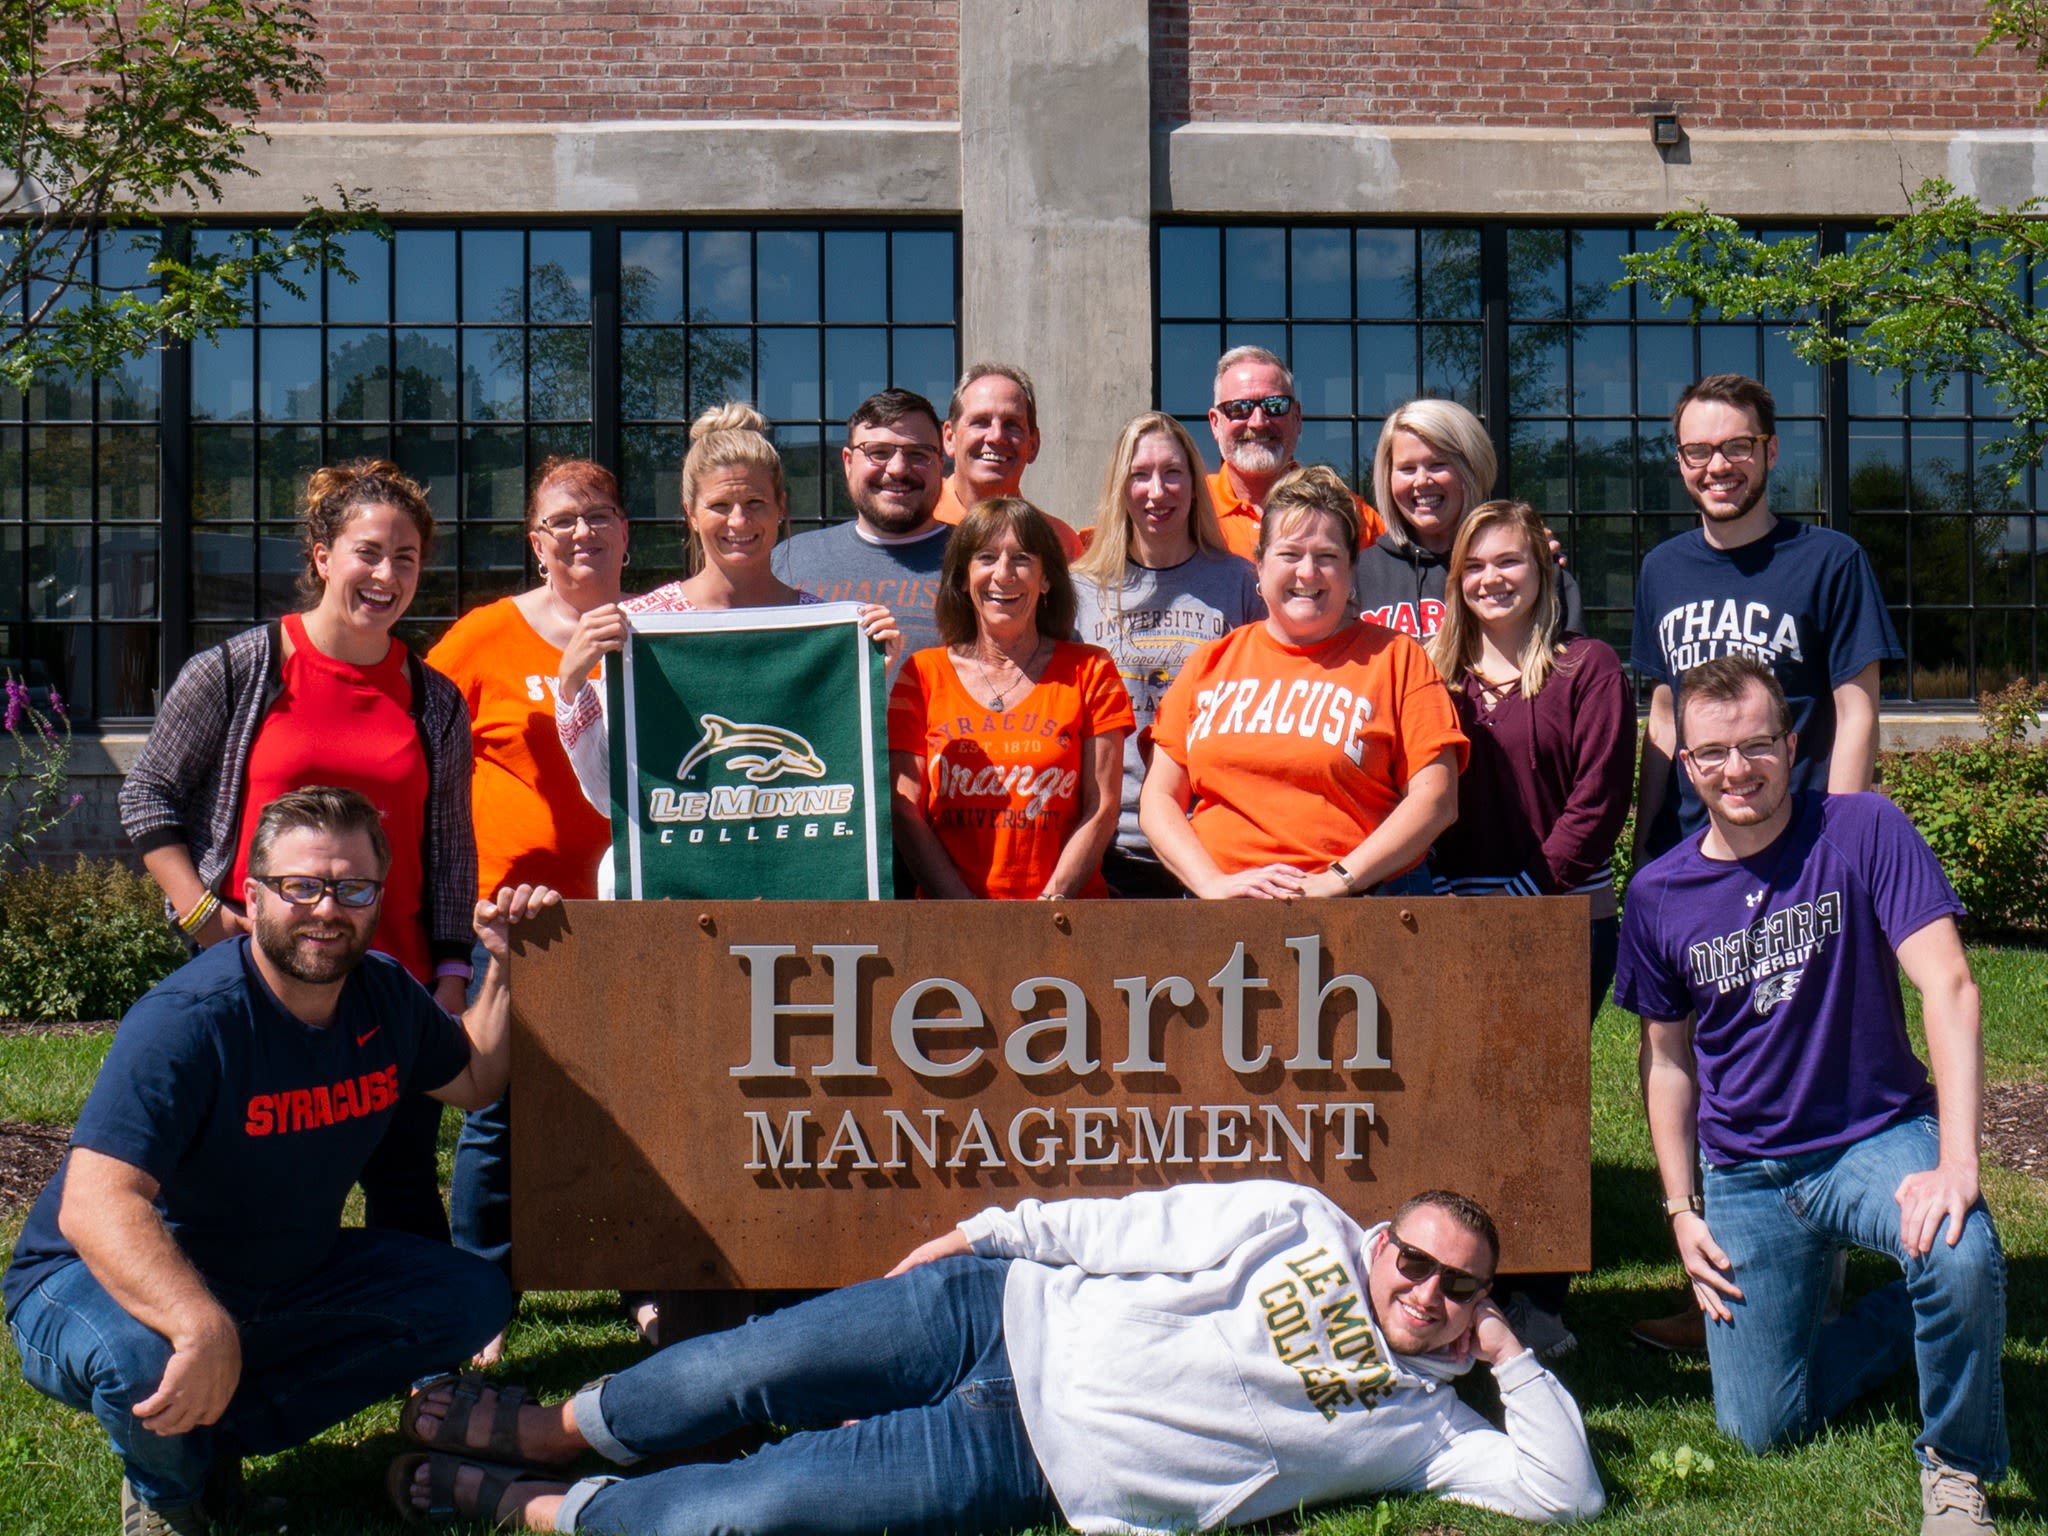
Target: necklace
995, 694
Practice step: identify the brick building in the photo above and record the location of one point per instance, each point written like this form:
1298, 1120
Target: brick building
608, 216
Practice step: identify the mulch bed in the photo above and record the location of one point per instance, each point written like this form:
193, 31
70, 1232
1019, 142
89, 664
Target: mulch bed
29, 1154
2016, 1126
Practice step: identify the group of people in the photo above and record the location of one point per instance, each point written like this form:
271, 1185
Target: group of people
1252, 684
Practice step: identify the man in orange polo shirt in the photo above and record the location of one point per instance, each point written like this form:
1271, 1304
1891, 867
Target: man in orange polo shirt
991, 435
1257, 422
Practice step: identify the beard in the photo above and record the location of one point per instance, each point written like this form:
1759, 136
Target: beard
277, 937
884, 516
1255, 457
1742, 509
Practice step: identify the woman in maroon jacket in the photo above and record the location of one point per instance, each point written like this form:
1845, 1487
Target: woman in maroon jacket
1546, 788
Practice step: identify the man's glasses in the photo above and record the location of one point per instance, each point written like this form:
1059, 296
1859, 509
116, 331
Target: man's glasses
306, 890
1241, 410
1714, 756
1736, 450
1418, 1266
882, 454
563, 524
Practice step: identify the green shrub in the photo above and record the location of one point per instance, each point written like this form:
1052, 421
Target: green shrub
81, 943
1983, 807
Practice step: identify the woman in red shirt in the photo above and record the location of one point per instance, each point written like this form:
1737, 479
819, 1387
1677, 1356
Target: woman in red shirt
329, 696
1006, 741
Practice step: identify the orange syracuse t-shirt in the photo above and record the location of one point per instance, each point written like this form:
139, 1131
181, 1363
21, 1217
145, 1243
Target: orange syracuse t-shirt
1296, 753
1240, 519
532, 820
1003, 787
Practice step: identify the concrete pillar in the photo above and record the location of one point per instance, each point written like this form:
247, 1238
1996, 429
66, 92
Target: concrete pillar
1056, 221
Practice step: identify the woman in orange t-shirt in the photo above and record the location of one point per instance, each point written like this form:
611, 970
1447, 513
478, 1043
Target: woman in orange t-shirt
1006, 741
1320, 753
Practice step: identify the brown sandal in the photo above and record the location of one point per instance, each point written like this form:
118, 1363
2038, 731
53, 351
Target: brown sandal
443, 1507
465, 1390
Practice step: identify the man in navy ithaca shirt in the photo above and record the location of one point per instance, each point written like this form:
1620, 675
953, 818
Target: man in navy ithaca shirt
185, 1277
1763, 957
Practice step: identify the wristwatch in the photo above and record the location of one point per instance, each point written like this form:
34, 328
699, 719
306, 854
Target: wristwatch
1337, 868
1678, 1204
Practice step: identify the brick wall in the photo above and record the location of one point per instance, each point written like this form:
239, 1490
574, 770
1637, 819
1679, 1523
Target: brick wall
573, 61
1787, 64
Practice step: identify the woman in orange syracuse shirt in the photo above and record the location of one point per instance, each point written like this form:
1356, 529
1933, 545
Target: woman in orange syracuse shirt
1006, 741
1320, 753
532, 822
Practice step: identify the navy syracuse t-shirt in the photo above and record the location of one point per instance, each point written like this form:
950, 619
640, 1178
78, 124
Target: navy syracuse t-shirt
1789, 960
1802, 600
254, 1125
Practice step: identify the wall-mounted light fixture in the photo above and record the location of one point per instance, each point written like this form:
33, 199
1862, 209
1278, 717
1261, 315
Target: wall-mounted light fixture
1665, 131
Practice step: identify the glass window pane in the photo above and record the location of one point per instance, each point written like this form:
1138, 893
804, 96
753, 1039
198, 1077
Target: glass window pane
1941, 467
1386, 274
59, 568
280, 556
1600, 376
368, 298
128, 573
722, 368
1322, 273
803, 466
1389, 375
493, 562
1877, 468
1187, 367
856, 276
428, 455
1604, 561
425, 259
652, 486
1190, 273
856, 365
1661, 486
1874, 392
558, 276
651, 275
278, 305
792, 384
494, 375
921, 276
1536, 370
1328, 442
558, 375
1322, 368
1727, 349
128, 669
359, 374
285, 457
721, 275
128, 474
2004, 648
1536, 274
131, 388
223, 474
290, 372
59, 473
1941, 656
924, 362
223, 380
1796, 478
1795, 385
1884, 538
1604, 464
1271, 336
426, 375
786, 274
494, 275
1450, 274
1664, 366
2004, 559
1596, 268
60, 394
1255, 273
1539, 465
654, 373
494, 474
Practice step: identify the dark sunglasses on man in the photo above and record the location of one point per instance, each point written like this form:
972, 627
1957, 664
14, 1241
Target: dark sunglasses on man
1418, 1265
1241, 410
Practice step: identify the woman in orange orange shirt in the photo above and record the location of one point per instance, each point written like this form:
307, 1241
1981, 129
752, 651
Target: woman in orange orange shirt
1006, 741
1320, 753
532, 822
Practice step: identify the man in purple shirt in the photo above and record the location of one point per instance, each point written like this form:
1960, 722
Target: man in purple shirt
1763, 955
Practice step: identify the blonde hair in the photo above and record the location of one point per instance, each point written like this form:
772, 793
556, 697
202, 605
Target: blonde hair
1455, 645
729, 436
1103, 562
1315, 488
1453, 432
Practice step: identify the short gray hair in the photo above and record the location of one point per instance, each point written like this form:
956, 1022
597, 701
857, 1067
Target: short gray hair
1250, 354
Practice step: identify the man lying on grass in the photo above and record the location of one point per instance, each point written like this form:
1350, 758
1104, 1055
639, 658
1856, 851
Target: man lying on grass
1200, 1356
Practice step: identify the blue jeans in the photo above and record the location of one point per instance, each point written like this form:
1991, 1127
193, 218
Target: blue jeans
918, 1361
480, 1188
1780, 1372
384, 1309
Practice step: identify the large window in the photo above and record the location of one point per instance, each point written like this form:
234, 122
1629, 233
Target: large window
467, 355
1576, 381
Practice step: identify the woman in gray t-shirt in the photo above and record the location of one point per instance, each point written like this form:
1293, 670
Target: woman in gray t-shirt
1156, 581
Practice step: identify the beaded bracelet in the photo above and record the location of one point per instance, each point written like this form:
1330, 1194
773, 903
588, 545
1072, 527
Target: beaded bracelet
202, 911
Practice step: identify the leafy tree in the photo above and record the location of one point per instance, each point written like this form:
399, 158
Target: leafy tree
114, 115
1937, 291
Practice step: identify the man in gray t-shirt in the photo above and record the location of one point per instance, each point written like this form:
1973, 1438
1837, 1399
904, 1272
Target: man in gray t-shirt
892, 551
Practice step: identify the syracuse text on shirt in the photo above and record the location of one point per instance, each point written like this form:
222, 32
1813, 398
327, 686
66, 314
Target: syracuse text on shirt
307, 1109
1255, 707
1696, 632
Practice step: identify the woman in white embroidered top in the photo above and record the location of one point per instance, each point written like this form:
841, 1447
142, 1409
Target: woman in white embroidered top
735, 507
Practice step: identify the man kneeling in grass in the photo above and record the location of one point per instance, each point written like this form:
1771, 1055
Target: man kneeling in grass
1763, 955
1195, 1357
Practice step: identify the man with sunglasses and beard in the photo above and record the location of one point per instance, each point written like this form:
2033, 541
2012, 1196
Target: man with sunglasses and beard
185, 1276
1199, 1356
1763, 957
1257, 424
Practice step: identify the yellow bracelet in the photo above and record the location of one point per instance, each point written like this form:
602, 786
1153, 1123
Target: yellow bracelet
202, 910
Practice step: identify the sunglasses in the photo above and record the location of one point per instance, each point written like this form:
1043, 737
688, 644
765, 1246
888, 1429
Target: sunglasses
1241, 410
306, 890
1418, 1266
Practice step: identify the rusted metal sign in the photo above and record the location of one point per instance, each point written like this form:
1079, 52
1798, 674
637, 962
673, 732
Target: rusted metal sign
758, 1094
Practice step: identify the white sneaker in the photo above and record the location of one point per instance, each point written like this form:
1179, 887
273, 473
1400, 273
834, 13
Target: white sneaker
1542, 1332
1951, 1501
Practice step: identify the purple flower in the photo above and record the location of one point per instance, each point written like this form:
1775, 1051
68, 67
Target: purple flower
17, 701
57, 704
76, 801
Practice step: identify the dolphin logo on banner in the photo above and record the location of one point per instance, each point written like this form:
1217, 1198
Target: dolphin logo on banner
770, 751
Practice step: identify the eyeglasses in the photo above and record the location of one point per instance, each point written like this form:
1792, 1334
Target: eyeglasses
1241, 410
307, 890
881, 455
1736, 450
1758, 749
563, 524
1414, 1264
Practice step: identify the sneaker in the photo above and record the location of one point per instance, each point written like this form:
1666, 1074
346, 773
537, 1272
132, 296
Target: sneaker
1539, 1329
1682, 1333
1951, 1501
140, 1519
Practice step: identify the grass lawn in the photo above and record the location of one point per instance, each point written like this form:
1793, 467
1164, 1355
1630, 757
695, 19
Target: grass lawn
57, 1477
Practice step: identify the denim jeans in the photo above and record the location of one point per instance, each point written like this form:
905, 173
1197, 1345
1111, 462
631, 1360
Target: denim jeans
917, 1361
480, 1191
386, 1308
1780, 1371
